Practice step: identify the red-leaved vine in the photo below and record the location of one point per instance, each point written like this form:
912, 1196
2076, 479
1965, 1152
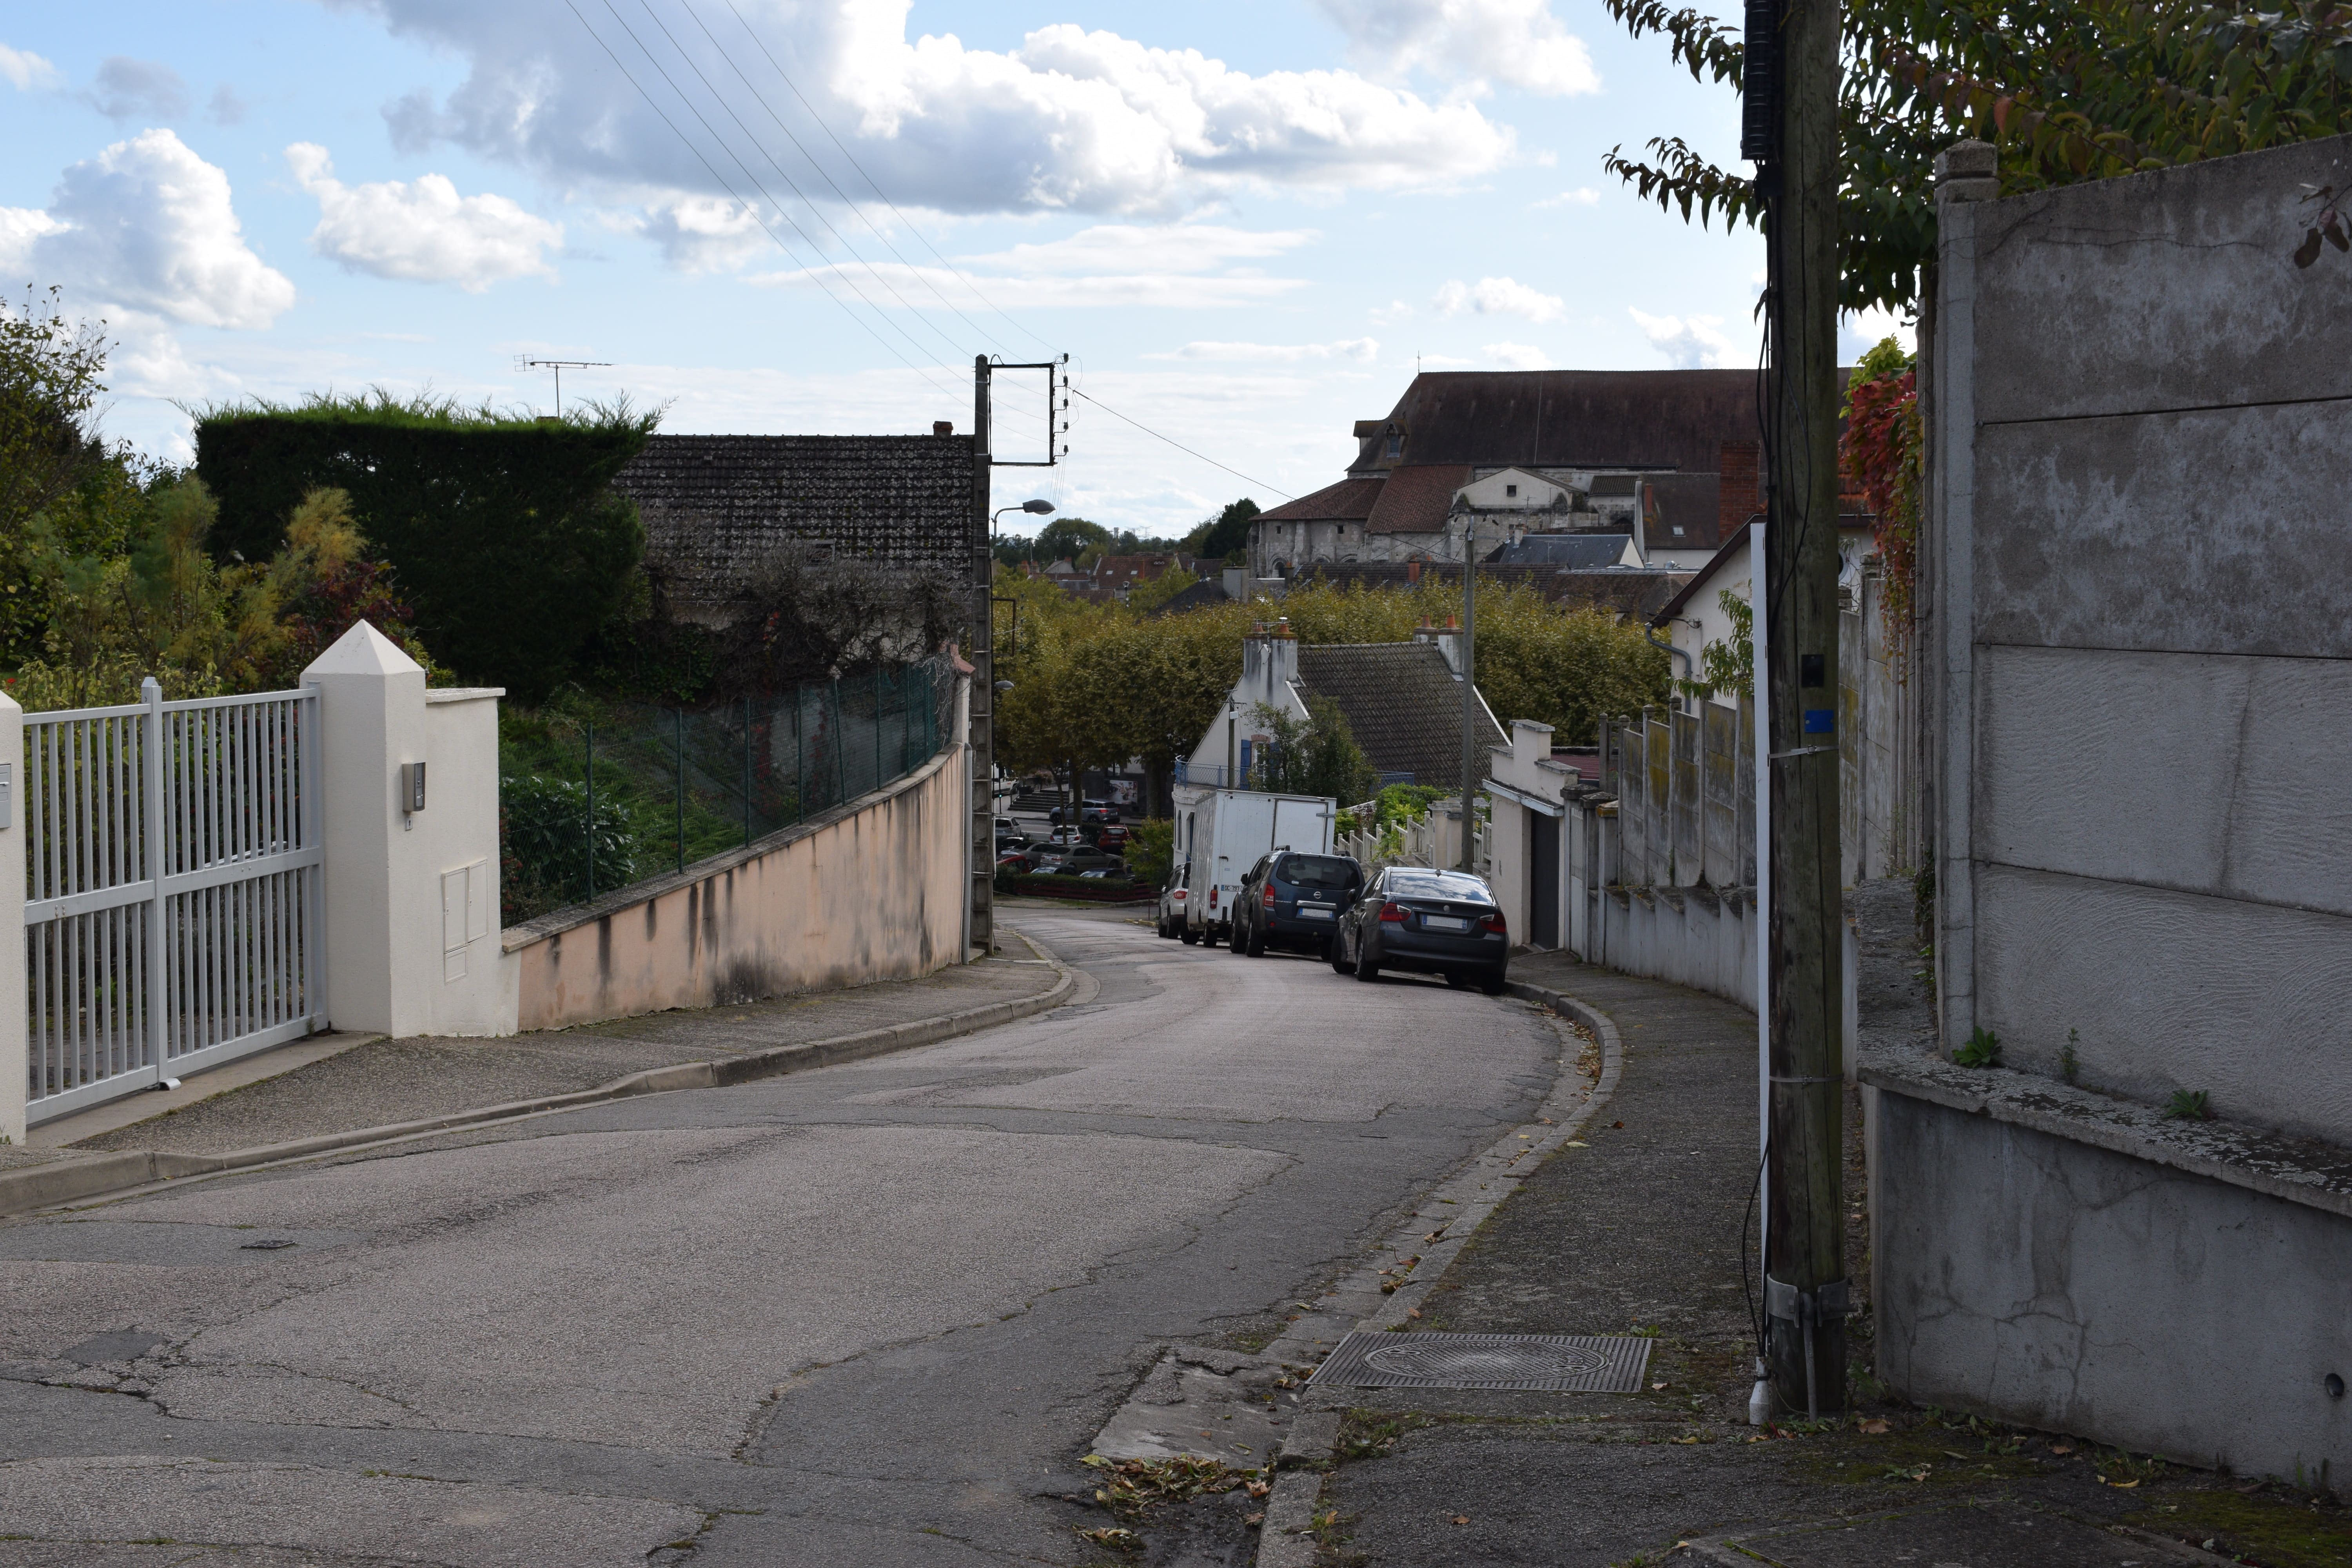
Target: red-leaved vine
1880, 456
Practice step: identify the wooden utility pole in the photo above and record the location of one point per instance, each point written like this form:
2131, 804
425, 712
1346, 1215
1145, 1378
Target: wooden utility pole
982, 659
1805, 1290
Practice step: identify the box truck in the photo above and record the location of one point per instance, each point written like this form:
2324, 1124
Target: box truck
1220, 834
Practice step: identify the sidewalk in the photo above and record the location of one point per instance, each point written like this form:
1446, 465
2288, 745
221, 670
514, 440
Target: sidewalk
380, 1085
1639, 1232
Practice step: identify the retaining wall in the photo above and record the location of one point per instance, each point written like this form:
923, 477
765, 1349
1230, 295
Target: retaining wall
873, 890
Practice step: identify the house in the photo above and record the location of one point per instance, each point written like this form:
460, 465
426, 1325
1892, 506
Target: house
1403, 702
1696, 616
1663, 454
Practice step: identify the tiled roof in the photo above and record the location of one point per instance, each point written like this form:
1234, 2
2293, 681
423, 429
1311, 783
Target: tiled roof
1403, 704
1415, 499
712, 505
1570, 418
1691, 502
1574, 550
1208, 591
1349, 500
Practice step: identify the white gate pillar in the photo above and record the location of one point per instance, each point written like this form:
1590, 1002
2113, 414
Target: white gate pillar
13, 1065
371, 721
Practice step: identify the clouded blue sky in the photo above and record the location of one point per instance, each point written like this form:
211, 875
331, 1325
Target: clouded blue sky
1243, 219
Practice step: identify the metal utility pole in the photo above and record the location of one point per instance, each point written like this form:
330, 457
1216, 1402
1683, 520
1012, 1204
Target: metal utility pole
1793, 104
1469, 691
982, 659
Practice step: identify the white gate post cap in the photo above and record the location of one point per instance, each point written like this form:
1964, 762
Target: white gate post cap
364, 650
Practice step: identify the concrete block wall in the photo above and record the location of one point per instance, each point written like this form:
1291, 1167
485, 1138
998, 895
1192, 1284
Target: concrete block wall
2144, 612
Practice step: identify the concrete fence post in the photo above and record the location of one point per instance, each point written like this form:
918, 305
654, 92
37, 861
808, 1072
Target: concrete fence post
412, 894
15, 1088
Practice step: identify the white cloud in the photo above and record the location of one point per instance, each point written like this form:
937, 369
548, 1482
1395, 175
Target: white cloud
1361, 350
147, 226
1070, 119
1185, 266
1395, 311
421, 231
1518, 43
1689, 342
25, 69
125, 89
1518, 356
1441, 361
1498, 297
1865, 330
1583, 196
705, 234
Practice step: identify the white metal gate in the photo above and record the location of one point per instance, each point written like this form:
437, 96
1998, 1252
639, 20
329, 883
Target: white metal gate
173, 915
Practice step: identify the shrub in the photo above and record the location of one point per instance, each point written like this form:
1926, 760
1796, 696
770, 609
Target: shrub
505, 531
547, 835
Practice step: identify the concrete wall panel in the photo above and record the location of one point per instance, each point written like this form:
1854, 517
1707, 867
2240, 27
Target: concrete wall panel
2169, 991
2169, 289
2229, 776
2070, 1288
2215, 532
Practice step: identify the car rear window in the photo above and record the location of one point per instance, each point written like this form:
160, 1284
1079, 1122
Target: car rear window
1439, 885
1315, 871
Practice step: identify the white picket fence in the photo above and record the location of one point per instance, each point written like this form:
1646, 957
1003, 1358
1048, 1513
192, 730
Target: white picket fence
173, 914
1434, 840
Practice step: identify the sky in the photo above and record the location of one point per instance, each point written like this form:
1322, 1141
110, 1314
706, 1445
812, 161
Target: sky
1247, 222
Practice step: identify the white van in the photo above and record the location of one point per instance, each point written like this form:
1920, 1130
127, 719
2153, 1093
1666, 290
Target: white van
1220, 834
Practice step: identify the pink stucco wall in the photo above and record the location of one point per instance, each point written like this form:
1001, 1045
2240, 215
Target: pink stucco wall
872, 892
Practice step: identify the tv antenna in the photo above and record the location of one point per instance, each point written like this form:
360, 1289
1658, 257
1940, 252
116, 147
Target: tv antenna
523, 362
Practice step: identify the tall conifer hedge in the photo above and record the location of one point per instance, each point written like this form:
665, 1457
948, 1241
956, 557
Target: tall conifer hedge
505, 532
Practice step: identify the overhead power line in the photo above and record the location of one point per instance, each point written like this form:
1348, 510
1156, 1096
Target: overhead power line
1180, 445
876, 187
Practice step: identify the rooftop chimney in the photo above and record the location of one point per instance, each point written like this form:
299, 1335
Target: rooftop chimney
1739, 489
942, 426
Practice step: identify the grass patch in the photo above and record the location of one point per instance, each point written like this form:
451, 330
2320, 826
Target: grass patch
2271, 1525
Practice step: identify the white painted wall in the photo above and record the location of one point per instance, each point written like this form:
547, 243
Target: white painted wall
393, 963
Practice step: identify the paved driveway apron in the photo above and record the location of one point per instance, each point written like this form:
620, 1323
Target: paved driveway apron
870, 1314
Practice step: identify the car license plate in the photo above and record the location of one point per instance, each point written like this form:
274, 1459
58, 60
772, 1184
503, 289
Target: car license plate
1313, 912
1445, 923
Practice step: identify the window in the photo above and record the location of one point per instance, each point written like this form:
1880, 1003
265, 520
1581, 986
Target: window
1317, 871
1420, 884
1510, 490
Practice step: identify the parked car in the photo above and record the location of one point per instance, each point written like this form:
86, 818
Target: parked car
1109, 835
1432, 923
1006, 825
1009, 840
1106, 873
1173, 895
1067, 859
1291, 899
1056, 842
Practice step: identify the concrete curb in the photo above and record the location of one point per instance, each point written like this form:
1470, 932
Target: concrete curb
47, 1186
1288, 1540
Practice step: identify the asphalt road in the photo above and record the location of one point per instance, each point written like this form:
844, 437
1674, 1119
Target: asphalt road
866, 1315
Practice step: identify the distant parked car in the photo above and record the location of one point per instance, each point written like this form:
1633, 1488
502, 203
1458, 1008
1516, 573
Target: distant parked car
1432, 922
1076, 857
1106, 873
1291, 899
1110, 836
1173, 895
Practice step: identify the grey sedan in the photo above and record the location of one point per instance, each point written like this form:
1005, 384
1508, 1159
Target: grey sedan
1430, 923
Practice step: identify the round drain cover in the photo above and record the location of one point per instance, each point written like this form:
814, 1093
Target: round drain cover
1459, 1364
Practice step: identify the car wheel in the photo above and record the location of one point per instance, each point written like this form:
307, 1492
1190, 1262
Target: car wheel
1255, 946
1187, 936
1336, 952
1366, 970
1492, 984
1234, 938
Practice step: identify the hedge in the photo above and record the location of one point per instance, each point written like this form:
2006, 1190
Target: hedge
504, 533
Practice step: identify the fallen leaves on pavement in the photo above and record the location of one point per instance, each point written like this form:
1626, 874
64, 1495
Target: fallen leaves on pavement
1113, 1538
1875, 1426
1132, 1486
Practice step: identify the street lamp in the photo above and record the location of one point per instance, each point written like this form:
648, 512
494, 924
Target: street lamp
1040, 508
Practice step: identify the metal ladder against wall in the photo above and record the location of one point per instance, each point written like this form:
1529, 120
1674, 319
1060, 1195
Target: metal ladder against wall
173, 911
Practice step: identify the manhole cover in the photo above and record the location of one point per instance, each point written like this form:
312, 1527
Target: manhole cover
1550, 1363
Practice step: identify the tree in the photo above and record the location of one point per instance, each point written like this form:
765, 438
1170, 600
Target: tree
1314, 755
167, 609
1154, 591
1224, 536
2067, 90
1069, 538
